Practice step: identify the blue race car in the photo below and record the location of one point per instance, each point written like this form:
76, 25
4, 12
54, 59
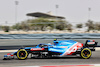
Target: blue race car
60, 48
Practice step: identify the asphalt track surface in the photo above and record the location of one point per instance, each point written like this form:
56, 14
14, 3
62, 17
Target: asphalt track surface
18, 43
95, 59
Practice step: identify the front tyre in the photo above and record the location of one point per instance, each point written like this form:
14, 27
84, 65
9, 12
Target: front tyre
86, 53
22, 54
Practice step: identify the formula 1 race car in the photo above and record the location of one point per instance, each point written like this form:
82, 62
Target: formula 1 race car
60, 48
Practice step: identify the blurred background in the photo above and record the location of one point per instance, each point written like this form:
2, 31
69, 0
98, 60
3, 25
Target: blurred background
49, 15
30, 20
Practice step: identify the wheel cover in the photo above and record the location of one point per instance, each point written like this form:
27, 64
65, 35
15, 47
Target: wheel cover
86, 53
22, 54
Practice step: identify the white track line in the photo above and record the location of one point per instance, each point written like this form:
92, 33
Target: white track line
97, 48
96, 64
8, 50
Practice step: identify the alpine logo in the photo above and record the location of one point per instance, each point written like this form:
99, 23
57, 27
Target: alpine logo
73, 48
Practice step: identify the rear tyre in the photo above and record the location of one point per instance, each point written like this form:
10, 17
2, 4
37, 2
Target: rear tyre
85, 53
22, 54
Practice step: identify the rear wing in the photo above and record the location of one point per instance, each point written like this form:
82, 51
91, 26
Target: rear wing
91, 44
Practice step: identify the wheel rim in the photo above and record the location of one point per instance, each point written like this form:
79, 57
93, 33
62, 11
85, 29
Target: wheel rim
86, 53
22, 54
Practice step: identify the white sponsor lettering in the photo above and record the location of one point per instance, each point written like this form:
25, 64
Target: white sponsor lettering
91, 43
36, 48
